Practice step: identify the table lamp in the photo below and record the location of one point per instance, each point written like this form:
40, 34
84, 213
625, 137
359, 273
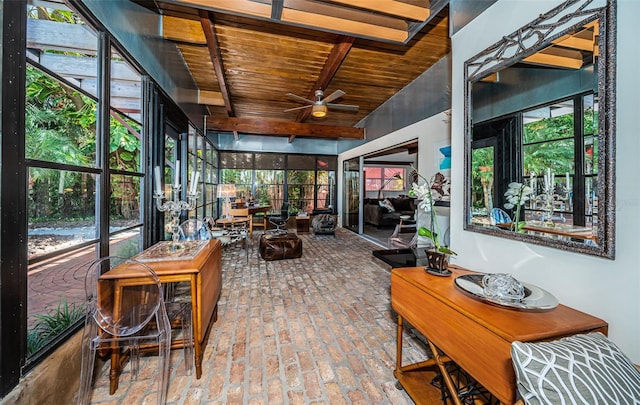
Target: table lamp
226, 191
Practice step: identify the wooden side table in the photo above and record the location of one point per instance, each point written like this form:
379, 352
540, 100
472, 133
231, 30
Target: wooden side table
302, 223
199, 264
473, 334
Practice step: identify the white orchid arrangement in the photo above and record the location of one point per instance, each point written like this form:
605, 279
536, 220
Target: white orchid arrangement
423, 193
517, 194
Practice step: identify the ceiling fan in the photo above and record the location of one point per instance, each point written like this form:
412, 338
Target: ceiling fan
320, 106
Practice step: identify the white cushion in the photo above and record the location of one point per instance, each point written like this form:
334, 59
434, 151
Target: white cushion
579, 369
387, 204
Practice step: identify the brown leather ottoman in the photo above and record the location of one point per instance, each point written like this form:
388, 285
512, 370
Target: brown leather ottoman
280, 246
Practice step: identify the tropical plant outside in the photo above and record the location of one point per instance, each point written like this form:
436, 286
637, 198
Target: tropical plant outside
51, 324
548, 143
267, 187
482, 178
60, 128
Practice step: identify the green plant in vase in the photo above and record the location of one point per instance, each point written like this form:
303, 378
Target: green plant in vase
517, 194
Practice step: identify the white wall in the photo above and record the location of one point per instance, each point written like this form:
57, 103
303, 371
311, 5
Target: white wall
609, 289
431, 131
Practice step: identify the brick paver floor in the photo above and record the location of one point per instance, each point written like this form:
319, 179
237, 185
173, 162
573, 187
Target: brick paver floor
314, 330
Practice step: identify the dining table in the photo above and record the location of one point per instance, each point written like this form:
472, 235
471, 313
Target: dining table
557, 229
251, 211
561, 230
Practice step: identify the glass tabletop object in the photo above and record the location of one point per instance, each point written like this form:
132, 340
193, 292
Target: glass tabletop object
533, 298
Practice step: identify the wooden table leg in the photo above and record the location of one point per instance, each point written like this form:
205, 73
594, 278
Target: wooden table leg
115, 369
414, 378
399, 344
441, 362
197, 328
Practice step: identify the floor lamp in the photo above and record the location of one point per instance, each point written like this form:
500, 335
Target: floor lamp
396, 176
226, 191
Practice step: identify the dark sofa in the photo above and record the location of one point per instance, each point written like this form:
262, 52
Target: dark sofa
381, 217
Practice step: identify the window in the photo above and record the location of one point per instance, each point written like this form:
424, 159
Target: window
482, 178
384, 178
65, 199
307, 182
210, 180
63, 186
300, 190
550, 135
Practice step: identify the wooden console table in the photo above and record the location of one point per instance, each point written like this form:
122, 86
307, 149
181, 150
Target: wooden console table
475, 335
200, 264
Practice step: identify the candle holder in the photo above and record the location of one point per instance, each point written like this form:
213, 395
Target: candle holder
549, 191
175, 207
549, 209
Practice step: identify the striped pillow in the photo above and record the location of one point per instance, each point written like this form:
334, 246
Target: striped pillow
580, 369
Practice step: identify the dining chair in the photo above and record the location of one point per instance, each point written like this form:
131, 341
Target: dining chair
243, 213
244, 232
499, 216
125, 316
259, 221
209, 221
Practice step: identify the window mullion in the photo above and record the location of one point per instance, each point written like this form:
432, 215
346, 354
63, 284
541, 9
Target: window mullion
102, 141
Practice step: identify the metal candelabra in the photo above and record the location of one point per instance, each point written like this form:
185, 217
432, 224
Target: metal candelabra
175, 207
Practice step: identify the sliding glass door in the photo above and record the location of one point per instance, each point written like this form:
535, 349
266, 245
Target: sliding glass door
351, 195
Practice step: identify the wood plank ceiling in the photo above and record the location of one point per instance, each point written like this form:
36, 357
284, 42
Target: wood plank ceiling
246, 55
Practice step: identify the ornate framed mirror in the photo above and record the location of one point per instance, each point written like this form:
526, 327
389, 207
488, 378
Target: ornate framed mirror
540, 132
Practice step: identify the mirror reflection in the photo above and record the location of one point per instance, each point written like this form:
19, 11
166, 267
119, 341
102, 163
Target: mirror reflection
535, 136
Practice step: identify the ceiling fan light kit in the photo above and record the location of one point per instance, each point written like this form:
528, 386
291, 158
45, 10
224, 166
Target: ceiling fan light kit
319, 110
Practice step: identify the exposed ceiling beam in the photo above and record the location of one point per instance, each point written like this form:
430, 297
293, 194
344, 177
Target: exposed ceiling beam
336, 24
596, 38
574, 42
547, 59
246, 7
183, 30
396, 8
492, 78
216, 59
328, 17
210, 98
260, 126
331, 66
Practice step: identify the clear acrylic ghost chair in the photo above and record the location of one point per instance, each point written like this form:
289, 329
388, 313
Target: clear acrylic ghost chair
191, 229
138, 318
400, 239
194, 229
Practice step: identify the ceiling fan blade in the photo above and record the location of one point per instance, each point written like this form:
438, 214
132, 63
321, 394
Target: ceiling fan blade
345, 107
296, 97
297, 108
336, 94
